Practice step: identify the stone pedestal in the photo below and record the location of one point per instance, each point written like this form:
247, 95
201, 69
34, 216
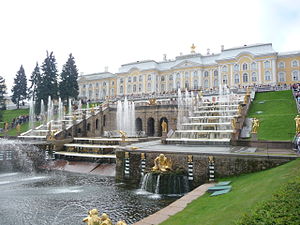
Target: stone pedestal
254, 136
164, 137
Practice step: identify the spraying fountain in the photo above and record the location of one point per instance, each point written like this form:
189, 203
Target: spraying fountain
126, 117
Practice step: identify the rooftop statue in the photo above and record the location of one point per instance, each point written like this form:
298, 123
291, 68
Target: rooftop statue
162, 163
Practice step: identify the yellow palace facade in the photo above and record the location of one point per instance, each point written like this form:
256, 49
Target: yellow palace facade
247, 65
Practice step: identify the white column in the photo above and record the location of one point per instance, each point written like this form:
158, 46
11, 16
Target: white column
259, 79
274, 77
231, 75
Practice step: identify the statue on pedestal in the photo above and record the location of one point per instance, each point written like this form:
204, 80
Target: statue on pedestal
164, 126
162, 163
297, 120
255, 125
123, 135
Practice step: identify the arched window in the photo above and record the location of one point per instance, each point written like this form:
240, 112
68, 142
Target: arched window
149, 77
140, 87
295, 63
224, 69
267, 64
236, 67
121, 80
170, 86
162, 78
134, 79
267, 75
186, 85
281, 65
186, 74
129, 88
245, 66
205, 73
112, 83
90, 86
140, 78
178, 85
121, 89
205, 83
195, 73
216, 83
134, 88
149, 86
281, 77
104, 84
236, 78
254, 66
295, 75
225, 79
196, 84
170, 77
245, 78
162, 87
254, 77
129, 79
83, 86
178, 76
216, 73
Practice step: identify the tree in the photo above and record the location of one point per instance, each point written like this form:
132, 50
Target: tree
19, 89
48, 85
35, 80
68, 87
2, 97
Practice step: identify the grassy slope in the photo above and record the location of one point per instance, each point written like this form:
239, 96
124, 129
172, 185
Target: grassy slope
247, 191
277, 117
8, 116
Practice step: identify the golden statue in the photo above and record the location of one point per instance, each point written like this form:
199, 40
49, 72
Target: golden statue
92, 218
74, 118
162, 163
152, 101
210, 159
121, 222
255, 125
18, 128
6, 126
240, 109
297, 120
245, 99
233, 123
92, 110
200, 94
164, 126
105, 220
193, 48
123, 135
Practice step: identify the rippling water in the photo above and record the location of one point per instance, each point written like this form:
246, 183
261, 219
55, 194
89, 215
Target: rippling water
65, 198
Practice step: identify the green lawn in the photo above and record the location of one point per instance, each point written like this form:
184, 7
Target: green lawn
9, 115
276, 112
247, 191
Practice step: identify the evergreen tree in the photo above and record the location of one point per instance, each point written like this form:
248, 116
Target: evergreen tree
68, 87
48, 85
19, 89
2, 97
35, 80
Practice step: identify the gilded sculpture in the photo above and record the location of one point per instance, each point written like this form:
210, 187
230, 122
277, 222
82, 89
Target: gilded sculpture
164, 126
233, 123
162, 163
255, 125
121, 222
152, 101
123, 135
92, 218
297, 120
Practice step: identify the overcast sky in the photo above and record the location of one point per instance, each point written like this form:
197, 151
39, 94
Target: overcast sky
110, 33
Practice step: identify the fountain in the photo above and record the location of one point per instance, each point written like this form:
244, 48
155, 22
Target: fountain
126, 117
206, 120
163, 180
31, 114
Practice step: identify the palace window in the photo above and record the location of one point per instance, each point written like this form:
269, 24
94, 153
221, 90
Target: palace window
104, 92
295, 75
245, 66
281, 77
134, 79
129, 79
216, 73
236, 78
129, 88
267, 64
90, 86
267, 75
225, 79
205, 83
149, 86
295, 63
205, 73
83, 86
187, 74
236, 67
112, 83
254, 66
121, 80
83, 93
195, 84
104, 84
162, 87
254, 77
121, 89
97, 84
140, 78
178, 75
224, 69
90, 94
178, 85
140, 87
170, 86
195, 73
149, 77
162, 78
134, 88
170, 77
186, 85
245, 78
216, 83
112, 92
281, 65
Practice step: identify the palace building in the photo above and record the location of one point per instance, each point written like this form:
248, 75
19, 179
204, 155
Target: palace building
248, 65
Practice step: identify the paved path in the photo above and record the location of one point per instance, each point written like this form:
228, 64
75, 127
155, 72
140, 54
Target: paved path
175, 207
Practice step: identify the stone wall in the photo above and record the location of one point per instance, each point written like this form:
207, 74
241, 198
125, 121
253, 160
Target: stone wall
226, 165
